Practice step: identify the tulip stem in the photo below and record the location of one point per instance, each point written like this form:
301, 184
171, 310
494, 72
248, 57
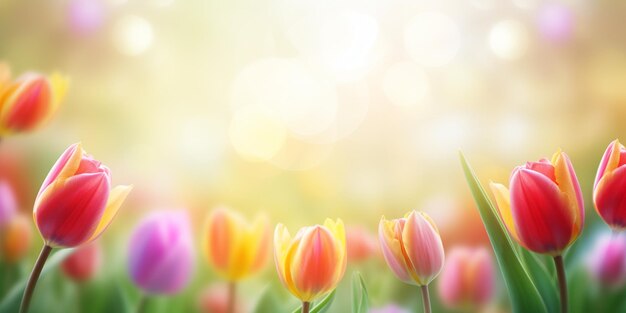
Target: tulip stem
143, 300
425, 298
560, 271
306, 307
232, 295
34, 276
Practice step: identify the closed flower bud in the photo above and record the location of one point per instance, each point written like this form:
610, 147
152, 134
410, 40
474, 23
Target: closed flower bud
412, 248
76, 202
609, 189
234, 247
84, 262
607, 260
161, 253
543, 208
311, 263
468, 278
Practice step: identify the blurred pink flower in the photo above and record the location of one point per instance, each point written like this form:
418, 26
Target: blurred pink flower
468, 277
8, 203
83, 263
85, 16
607, 261
161, 257
361, 244
214, 299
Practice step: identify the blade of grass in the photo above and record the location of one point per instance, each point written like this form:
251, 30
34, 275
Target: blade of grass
360, 297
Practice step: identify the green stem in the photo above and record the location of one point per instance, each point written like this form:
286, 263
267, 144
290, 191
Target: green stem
306, 307
560, 271
34, 276
232, 297
425, 298
143, 300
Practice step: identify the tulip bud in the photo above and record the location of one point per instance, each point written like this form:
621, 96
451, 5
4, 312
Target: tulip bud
214, 299
8, 203
84, 262
543, 210
609, 189
468, 278
412, 248
29, 101
607, 261
235, 248
313, 262
360, 243
161, 253
15, 238
76, 203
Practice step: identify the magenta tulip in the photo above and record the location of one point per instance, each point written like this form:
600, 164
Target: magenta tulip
607, 260
8, 203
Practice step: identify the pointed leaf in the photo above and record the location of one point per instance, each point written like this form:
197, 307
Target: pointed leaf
522, 291
322, 306
360, 297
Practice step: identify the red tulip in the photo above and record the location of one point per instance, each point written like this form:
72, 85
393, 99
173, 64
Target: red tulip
83, 263
76, 203
543, 210
609, 189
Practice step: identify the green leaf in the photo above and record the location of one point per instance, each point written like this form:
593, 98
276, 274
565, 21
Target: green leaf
360, 298
522, 291
11, 302
322, 306
543, 279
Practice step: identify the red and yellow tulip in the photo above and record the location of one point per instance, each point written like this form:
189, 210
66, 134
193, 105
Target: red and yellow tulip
235, 248
543, 208
76, 202
29, 101
609, 189
311, 263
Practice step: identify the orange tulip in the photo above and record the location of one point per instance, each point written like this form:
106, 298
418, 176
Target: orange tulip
29, 101
15, 238
313, 262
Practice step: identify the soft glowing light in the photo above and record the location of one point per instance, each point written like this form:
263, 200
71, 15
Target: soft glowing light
256, 135
512, 134
304, 102
133, 35
509, 39
405, 84
432, 39
85, 16
201, 141
300, 155
526, 4
556, 22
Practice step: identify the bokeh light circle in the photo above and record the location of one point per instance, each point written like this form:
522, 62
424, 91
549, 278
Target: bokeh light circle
509, 39
432, 39
256, 135
133, 35
405, 84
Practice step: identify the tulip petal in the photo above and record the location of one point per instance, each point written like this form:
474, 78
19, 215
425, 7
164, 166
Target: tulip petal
392, 251
68, 211
116, 199
568, 183
28, 104
259, 243
65, 166
610, 199
423, 247
610, 161
503, 203
282, 242
542, 213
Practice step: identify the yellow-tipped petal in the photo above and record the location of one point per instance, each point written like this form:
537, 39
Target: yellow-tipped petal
116, 198
429, 220
613, 159
337, 229
59, 85
282, 241
72, 163
566, 185
503, 203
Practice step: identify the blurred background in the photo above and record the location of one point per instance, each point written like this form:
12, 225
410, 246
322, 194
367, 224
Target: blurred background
304, 109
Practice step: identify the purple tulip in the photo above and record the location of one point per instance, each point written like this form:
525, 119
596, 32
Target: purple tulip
8, 203
161, 253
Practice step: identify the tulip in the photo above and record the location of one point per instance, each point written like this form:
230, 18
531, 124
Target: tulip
468, 278
215, 299
313, 262
607, 260
8, 203
29, 101
609, 188
360, 243
161, 253
235, 248
15, 238
413, 250
543, 210
83, 263
73, 207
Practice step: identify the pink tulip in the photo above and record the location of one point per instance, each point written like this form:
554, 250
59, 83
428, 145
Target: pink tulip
76, 202
8, 203
468, 277
607, 260
161, 253
83, 264
361, 244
